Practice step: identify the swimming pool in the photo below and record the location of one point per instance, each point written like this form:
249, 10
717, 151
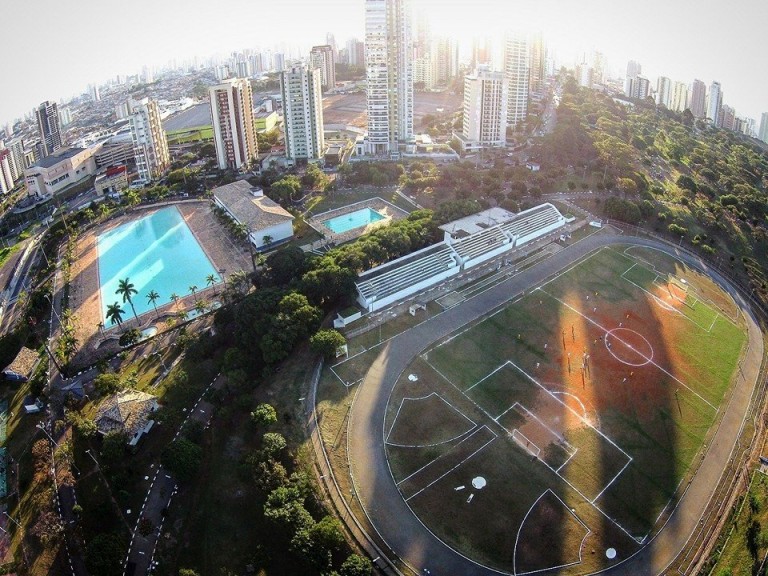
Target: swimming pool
157, 252
353, 220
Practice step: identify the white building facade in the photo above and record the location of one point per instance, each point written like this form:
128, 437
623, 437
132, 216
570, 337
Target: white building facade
323, 58
150, 147
679, 101
715, 104
484, 121
303, 113
516, 62
234, 133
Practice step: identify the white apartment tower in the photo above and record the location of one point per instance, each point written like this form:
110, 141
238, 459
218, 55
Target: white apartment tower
485, 109
679, 96
698, 103
538, 69
234, 133
516, 61
303, 113
715, 104
389, 75
763, 133
323, 58
47, 115
444, 54
663, 91
150, 147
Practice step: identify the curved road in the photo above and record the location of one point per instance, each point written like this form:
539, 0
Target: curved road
402, 530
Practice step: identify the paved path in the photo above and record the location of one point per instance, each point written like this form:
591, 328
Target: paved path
402, 530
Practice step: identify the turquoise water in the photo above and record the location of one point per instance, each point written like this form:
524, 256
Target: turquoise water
355, 219
157, 252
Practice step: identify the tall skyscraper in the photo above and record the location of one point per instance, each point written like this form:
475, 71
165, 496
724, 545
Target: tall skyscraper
585, 75
679, 100
485, 109
389, 75
48, 126
150, 147
516, 71
663, 91
482, 52
728, 117
598, 68
763, 133
94, 93
633, 69
538, 70
6, 177
715, 104
323, 58
233, 130
303, 113
698, 103
355, 52
444, 55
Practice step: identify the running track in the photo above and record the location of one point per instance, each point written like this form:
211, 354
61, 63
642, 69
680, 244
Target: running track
401, 529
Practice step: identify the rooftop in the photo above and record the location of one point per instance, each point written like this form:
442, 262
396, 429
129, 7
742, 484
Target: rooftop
126, 411
477, 222
58, 156
193, 117
250, 206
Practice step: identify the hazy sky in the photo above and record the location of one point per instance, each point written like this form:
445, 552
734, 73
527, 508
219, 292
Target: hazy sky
55, 48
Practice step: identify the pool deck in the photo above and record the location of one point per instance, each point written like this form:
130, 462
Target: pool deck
85, 298
390, 212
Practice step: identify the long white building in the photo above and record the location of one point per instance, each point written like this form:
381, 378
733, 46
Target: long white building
516, 62
303, 113
234, 133
150, 147
389, 76
484, 121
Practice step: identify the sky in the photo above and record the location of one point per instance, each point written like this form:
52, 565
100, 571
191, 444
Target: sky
54, 49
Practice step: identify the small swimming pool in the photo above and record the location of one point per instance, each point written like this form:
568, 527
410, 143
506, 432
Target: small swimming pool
353, 220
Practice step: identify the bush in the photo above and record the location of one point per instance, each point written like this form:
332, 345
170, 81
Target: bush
182, 457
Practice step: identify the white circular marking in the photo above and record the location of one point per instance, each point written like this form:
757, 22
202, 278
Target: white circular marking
614, 333
610, 553
478, 483
412, 377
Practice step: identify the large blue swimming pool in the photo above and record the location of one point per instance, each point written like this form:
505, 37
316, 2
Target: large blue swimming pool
157, 252
355, 219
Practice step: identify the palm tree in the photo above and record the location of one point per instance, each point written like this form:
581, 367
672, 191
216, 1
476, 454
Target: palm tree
193, 289
126, 290
152, 298
211, 280
200, 307
115, 314
175, 298
267, 240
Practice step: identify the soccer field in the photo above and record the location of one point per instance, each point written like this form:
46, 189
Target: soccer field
558, 432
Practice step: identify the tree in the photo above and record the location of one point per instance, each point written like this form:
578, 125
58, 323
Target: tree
182, 457
193, 290
187, 572
356, 565
115, 314
264, 415
113, 448
152, 298
211, 280
107, 383
272, 444
267, 239
327, 342
104, 554
127, 290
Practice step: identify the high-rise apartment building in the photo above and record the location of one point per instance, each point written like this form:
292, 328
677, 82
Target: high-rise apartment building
634, 69
444, 54
538, 69
698, 103
48, 125
679, 100
6, 177
303, 113
715, 104
482, 52
234, 133
598, 67
389, 75
516, 71
355, 52
728, 117
585, 75
323, 58
16, 147
763, 133
150, 147
485, 109
663, 91
423, 73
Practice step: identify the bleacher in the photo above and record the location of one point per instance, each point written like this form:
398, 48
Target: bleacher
480, 243
533, 223
424, 267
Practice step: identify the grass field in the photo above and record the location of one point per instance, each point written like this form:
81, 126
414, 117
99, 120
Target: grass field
584, 405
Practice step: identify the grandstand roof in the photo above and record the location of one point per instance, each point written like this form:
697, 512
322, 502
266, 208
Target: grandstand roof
476, 222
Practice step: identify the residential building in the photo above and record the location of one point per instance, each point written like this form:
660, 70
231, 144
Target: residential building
127, 411
16, 148
482, 52
728, 117
48, 126
679, 99
516, 64
303, 113
93, 92
598, 67
638, 87
61, 169
389, 75
485, 110
585, 75
244, 69
538, 70
633, 69
423, 73
112, 181
763, 133
323, 58
663, 91
234, 132
444, 54
715, 104
65, 117
355, 52
150, 146
6, 178
265, 121
698, 103
267, 222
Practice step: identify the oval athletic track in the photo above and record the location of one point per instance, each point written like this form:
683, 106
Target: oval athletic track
404, 533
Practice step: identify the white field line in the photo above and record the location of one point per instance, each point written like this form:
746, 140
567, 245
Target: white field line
650, 361
563, 393
663, 305
530, 414
487, 376
454, 468
717, 315
402, 401
612, 480
573, 267
564, 464
526, 443
475, 431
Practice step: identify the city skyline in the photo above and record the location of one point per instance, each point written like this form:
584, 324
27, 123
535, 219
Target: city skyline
681, 41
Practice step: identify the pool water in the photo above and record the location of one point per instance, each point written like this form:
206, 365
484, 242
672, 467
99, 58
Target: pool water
157, 252
353, 220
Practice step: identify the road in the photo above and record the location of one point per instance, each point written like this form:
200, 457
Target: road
402, 530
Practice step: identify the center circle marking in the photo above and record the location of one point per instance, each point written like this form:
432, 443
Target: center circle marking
621, 336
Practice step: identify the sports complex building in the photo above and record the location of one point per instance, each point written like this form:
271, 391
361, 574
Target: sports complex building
468, 243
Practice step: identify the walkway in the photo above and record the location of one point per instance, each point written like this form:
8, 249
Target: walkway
400, 528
